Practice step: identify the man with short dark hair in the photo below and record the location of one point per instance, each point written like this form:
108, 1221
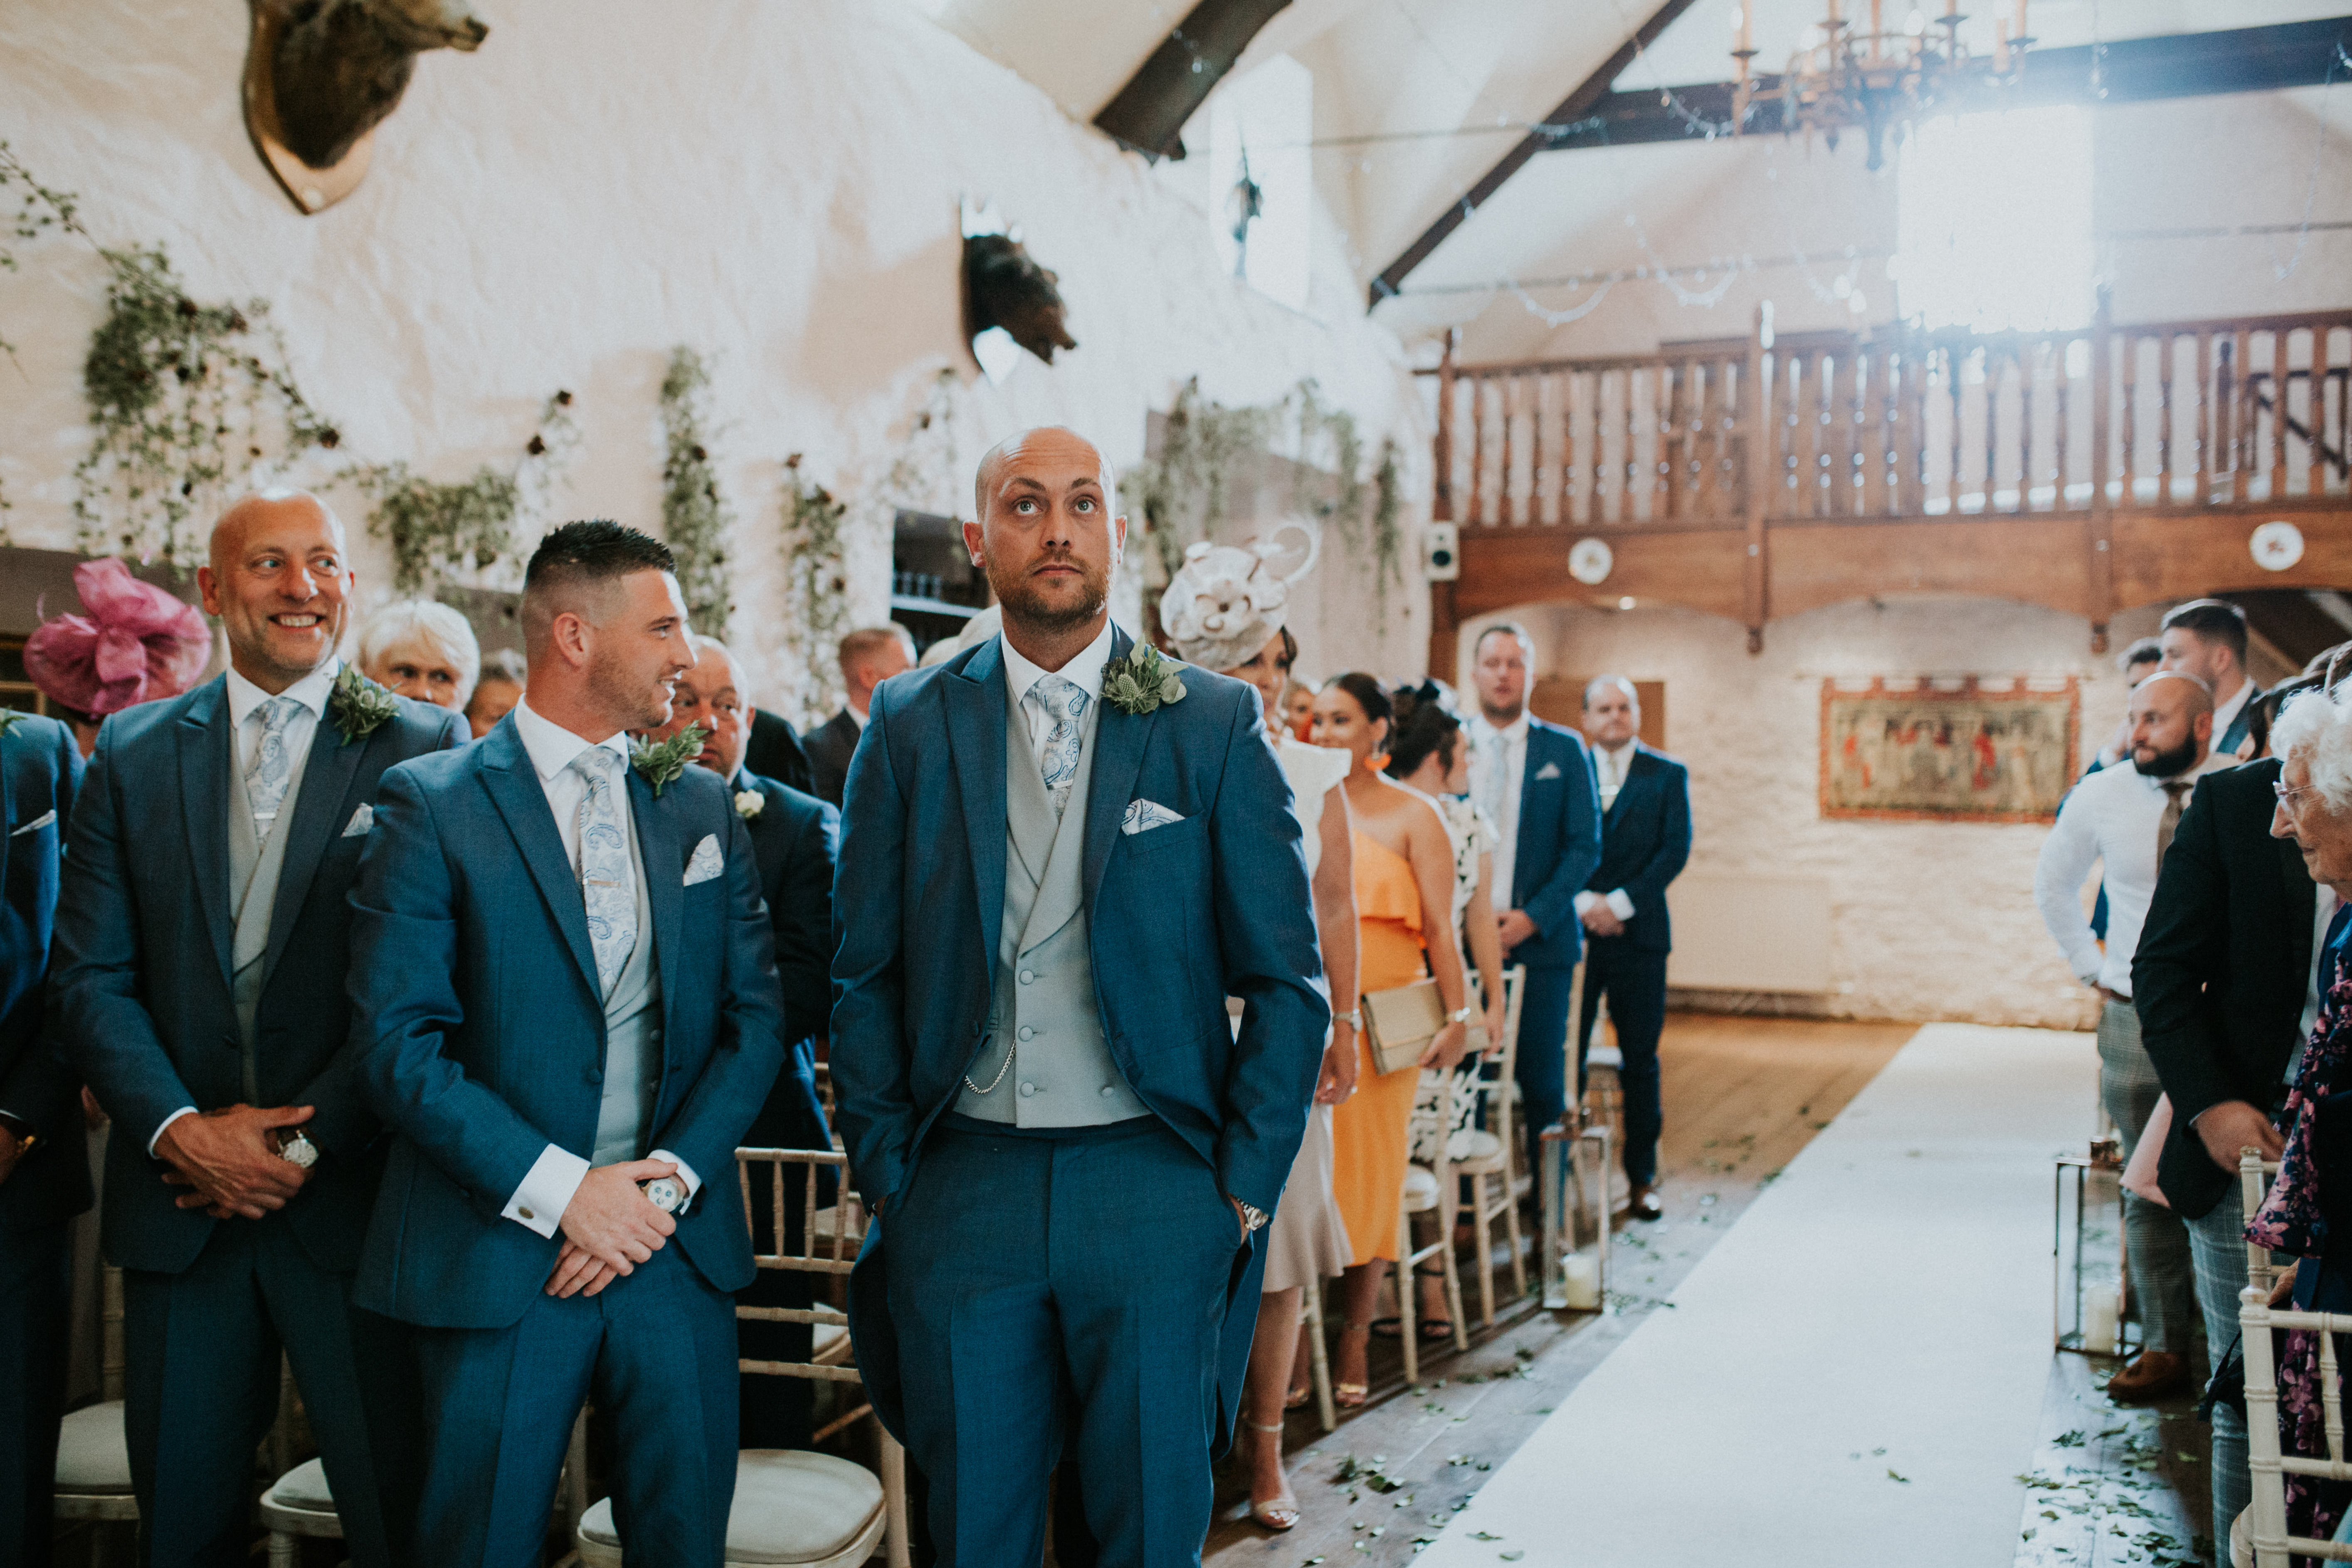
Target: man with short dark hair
2207, 638
1645, 842
565, 1004
1535, 781
202, 958
869, 656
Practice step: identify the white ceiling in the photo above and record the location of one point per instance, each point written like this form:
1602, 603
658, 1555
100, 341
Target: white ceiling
1416, 99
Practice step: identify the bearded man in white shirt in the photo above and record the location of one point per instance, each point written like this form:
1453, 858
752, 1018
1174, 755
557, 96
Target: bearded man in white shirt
2124, 818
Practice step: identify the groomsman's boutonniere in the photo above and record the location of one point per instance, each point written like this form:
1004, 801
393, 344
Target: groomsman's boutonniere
358, 707
749, 803
1141, 681
662, 761
9, 716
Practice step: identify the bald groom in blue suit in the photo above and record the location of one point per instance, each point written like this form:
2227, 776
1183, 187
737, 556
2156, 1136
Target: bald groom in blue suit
1045, 895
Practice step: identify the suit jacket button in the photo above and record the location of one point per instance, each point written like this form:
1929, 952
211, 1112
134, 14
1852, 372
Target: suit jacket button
1028, 977
1027, 1090
1028, 1033
594, 1075
1109, 1089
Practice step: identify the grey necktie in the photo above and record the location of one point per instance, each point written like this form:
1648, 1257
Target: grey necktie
1064, 703
272, 765
2170, 823
1493, 753
607, 887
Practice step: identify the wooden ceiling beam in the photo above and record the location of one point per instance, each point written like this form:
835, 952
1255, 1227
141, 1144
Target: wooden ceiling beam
1149, 114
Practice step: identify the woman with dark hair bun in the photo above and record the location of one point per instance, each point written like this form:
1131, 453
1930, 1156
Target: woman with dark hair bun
1404, 904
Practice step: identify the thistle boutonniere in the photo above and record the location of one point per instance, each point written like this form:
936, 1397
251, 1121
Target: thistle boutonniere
663, 760
1141, 681
748, 804
358, 707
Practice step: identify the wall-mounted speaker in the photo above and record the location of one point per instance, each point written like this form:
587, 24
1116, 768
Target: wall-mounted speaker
1441, 552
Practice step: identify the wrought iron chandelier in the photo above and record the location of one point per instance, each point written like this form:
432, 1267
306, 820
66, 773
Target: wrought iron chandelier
1842, 76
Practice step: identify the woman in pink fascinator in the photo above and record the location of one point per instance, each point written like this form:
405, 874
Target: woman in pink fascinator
134, 643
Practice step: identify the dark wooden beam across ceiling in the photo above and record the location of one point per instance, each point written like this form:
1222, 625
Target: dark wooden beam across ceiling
2130, 70
1574, 107
1149, 114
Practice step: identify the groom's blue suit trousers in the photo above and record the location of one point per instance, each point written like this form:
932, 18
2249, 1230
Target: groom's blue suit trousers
1062, 1290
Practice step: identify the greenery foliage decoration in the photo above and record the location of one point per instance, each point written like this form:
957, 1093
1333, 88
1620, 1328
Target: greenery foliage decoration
1388, 523
440, 533
38, 210
816, 584
695, 518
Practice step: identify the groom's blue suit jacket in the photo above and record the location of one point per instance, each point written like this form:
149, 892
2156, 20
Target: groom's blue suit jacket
1179, 918
479, 1030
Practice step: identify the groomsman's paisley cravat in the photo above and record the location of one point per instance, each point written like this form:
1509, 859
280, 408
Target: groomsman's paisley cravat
605, 885
1064, 703
272, 766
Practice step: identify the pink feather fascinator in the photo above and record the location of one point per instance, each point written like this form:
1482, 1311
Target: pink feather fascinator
135, 643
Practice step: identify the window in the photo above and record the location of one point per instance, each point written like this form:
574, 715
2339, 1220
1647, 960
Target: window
1262, 179
1993, 221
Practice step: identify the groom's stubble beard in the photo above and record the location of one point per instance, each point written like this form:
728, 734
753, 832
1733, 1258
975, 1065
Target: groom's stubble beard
1025, 607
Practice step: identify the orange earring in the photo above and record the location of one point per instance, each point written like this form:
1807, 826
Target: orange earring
1378, 761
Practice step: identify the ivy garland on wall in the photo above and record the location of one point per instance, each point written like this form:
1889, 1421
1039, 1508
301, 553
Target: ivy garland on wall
816, 585
695, 517
439, 533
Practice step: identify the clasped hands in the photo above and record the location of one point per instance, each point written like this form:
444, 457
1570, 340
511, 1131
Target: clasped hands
609, 1227
229, 1159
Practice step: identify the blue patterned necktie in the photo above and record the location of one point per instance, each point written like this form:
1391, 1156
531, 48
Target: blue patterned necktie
606, 886
1064, 703
272, 765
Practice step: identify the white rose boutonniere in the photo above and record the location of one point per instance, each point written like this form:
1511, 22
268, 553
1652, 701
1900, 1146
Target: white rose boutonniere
748, 804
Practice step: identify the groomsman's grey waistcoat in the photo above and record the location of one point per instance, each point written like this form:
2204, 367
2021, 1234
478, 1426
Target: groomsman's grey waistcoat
632, 1026
256, 863
1062, 1074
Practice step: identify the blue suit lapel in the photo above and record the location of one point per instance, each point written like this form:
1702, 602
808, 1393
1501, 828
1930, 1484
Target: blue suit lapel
8, 823
661, 861
975, 704
205, 761
514, 787
1120, 739
317, 813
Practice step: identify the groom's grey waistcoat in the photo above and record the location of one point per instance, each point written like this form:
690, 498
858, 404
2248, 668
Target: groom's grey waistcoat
1062, 1073
256, 863
633, 1052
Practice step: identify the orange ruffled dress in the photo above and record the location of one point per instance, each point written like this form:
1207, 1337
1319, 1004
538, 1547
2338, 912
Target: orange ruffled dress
1370, 1132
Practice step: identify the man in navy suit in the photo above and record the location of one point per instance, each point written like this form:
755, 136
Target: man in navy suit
564, 1003
1535, 781
794, 836
1646, 839
201, 951
44, 1160
1056, 866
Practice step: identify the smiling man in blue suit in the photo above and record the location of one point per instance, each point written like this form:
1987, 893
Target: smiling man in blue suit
1056, 864
565, 1005
202, 945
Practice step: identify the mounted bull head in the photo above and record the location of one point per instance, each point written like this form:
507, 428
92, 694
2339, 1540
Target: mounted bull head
1004, 287
341, 66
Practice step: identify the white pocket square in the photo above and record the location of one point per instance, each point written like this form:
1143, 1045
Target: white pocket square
705, 862
1143, 815
361, 820
37, 824
1549, 771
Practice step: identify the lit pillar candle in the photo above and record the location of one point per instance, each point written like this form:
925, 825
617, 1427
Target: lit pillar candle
2100, 1318
1745, 37
2020, 31
1581, 1281
2001, 45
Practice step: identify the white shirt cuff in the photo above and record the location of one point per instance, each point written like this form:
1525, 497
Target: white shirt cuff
546, 1192
685, 1171
1620, 905
184, 1111
1584, 902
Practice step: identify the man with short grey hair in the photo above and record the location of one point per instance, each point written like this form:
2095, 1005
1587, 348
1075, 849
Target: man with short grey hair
869, 656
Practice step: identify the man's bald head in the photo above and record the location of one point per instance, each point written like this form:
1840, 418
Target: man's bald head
1049, 538
1040, 443
279, 581
265, 509
2171, 718
2179, 687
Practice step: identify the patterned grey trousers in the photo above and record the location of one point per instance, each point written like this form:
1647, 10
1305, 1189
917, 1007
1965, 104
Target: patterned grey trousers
2162, 1279
2218, 1243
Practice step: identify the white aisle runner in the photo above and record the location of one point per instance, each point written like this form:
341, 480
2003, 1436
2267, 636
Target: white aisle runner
1881, 1312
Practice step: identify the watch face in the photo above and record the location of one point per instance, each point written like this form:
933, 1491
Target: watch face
299, 1151
664, 1195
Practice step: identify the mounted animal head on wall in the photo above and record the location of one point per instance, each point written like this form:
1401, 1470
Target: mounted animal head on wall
321, 74
1007, 292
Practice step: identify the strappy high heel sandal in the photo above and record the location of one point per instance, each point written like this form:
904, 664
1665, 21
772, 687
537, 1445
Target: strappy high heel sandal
1278, 1513
1351, 1395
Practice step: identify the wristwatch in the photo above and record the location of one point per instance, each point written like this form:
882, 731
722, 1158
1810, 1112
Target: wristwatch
1353, 1018
299, 1151
667, 1194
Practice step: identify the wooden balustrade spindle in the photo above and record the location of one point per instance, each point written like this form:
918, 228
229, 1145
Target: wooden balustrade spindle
2128, 466
2315, 414
1478, 448
2243, 428
2167, 351
2200, 425
1955, 385
1634, 496
2278, 414
1669, 390
1568, 486
1534, 447
1506, 391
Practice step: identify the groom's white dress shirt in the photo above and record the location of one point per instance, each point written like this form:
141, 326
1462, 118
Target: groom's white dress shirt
547, 1188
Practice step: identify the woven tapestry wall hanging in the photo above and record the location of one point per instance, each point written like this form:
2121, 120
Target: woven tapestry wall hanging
1919, 750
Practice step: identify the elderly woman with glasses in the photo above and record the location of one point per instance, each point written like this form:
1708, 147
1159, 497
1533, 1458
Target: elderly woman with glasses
421, 649
2310, 1204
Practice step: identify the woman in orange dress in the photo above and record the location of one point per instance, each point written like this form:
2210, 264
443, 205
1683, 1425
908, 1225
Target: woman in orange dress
1405, 887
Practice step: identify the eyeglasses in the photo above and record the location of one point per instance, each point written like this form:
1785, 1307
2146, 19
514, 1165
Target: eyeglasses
2286, 796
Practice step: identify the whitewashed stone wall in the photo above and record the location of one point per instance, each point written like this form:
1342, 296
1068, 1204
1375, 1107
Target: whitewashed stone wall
774, 184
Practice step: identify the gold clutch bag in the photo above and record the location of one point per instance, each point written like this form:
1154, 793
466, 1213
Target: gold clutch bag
1400, 1023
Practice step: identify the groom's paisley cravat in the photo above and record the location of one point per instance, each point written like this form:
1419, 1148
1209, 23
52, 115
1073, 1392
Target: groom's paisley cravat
1064, 703
272, 766
606, 886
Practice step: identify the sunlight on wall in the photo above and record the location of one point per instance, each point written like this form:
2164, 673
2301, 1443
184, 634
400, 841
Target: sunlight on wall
1993, 221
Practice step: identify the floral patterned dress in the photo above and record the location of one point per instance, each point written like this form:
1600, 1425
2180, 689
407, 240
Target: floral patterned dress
2291, 1221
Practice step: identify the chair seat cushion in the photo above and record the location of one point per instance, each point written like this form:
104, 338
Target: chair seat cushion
790, 1507
829, 1335
1420, 1189
93, 1455
1471, 1146
304, 1487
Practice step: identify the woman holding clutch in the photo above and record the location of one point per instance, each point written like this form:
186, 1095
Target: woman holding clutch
1404, 903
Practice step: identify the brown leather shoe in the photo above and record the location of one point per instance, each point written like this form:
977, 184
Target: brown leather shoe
2156, 1374
1644, 1203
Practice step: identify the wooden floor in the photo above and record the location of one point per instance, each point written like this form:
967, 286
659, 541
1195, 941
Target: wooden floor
1742, 1097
